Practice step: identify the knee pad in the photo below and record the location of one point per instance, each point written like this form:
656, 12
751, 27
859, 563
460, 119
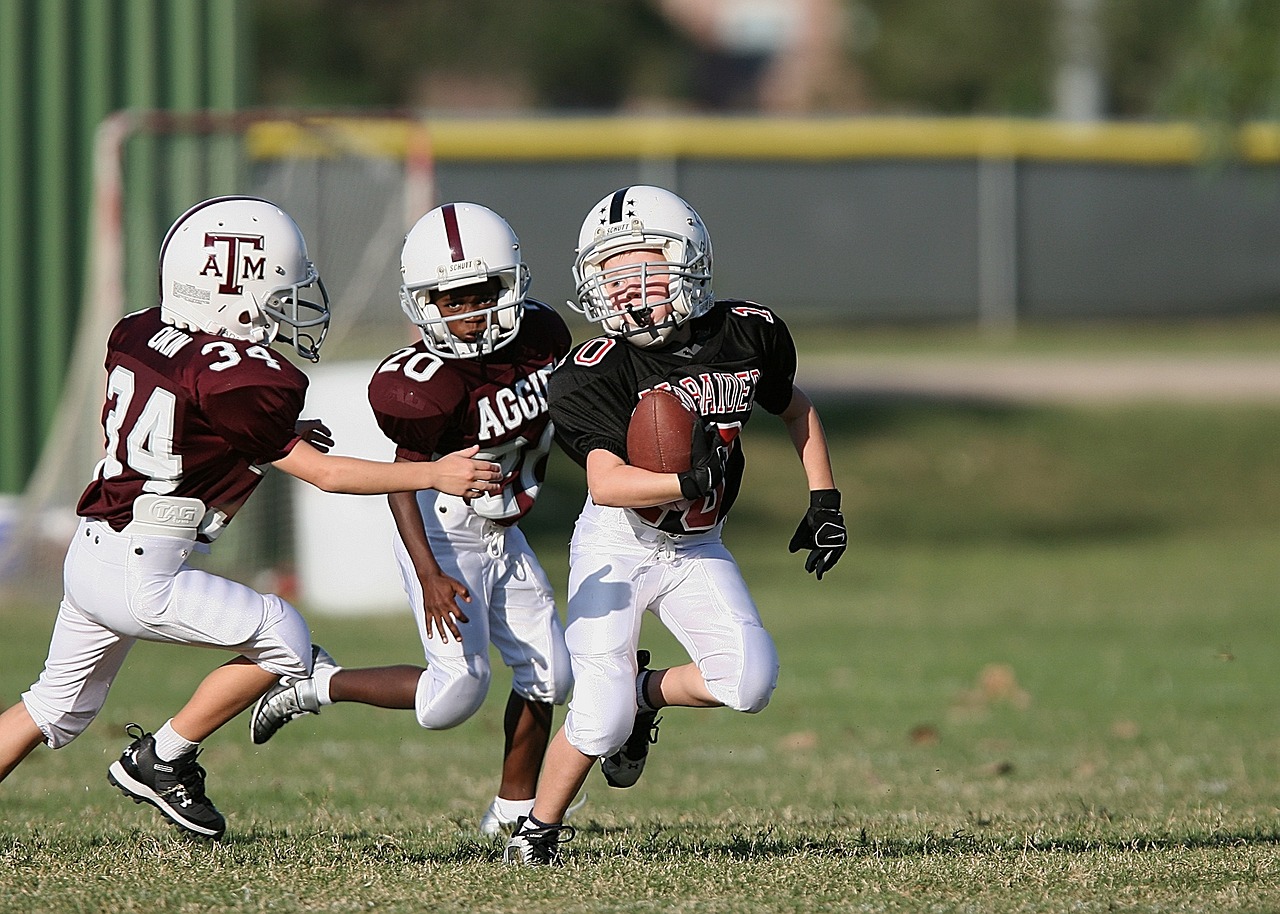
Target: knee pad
548, 680
602, 734
745, 681
603, 710
283, 644
451, 690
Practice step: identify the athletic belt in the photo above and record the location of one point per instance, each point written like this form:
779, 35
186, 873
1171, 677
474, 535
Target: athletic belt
166, 515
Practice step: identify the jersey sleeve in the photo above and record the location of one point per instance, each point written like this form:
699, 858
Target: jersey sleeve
777, 381
255, 407
588, 411
409, 413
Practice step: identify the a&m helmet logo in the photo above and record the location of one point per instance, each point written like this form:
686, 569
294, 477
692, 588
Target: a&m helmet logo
241, 264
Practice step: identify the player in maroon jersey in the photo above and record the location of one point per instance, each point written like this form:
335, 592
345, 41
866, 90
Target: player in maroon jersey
477, 377
651, 541
198, 407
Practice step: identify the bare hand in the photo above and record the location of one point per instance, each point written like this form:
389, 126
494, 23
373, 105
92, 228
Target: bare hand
440, 596
315, 433
459, 474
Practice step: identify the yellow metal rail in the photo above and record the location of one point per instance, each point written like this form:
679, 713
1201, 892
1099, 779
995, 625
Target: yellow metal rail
725, 138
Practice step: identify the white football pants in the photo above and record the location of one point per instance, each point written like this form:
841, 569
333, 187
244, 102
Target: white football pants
619, 569
120, 588
511, 605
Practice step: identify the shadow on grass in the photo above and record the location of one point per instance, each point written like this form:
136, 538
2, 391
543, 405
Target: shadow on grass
596, 844
964, 843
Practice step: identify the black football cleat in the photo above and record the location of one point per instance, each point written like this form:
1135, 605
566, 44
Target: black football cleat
536, 845
175, 788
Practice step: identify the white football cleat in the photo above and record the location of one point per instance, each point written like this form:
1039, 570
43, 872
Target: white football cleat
289, 699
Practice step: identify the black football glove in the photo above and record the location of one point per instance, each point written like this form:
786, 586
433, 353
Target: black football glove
821, 531
707, 465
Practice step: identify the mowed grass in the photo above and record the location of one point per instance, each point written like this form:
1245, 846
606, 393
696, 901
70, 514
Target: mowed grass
1044, 678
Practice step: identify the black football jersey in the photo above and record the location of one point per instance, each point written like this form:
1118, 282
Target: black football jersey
189, 414
740, 354
431, 406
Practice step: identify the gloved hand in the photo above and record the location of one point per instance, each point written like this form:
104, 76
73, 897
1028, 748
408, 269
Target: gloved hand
707, 468
821, 531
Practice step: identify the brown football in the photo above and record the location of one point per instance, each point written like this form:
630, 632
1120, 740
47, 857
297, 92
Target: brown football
660, 434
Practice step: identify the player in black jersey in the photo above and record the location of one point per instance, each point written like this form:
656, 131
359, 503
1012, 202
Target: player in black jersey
651, 541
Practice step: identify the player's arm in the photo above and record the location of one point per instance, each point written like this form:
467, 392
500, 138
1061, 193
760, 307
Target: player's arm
456, 473
821, 530
804, 427
614, 483
440, 592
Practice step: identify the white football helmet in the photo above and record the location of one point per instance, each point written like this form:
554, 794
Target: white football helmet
457, 245
643, 218
236, 267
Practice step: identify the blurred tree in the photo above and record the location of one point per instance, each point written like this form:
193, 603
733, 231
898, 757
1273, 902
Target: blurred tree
1146, 39
466, 53
1215, 60
1226, 67
958, 56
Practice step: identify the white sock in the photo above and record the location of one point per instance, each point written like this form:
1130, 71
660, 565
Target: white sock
170, 744
321, 679
510, 810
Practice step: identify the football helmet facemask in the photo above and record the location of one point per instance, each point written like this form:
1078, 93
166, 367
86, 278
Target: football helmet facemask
237, 267
454, 246
643, 218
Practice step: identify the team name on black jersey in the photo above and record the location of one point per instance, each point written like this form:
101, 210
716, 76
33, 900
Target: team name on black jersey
740, 354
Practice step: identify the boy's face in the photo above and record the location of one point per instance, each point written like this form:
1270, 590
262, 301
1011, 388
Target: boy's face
458, 307
633, 285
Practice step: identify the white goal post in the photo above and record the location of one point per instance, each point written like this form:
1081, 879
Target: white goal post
354, 185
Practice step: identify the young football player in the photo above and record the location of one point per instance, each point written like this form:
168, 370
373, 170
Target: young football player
650, 541
477, 377
198, 407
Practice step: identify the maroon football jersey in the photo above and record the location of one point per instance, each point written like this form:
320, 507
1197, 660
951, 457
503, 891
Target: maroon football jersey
431, 406
189, 414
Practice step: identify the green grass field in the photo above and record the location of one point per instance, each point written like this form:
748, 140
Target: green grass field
1044, 678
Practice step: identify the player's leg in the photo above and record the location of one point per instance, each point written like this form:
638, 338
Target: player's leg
734, 663
222, 695
19, 736
526, 726
607, 593
715, 619
456, 679
187, 606
83, 660
526, 630
537, 836
454, 682
394, 687
680, 686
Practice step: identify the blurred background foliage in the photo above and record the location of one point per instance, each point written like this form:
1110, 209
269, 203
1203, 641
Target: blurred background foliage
1201, 59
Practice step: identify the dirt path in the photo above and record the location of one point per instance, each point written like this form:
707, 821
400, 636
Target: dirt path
1049, 378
